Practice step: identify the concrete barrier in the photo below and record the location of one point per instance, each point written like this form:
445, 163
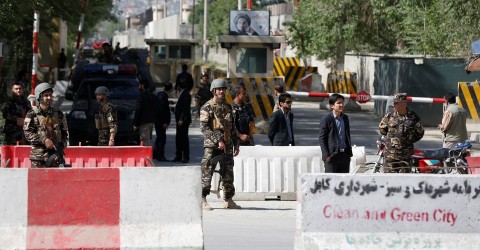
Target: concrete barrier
101, 208
388, 211
271, 172
84, 156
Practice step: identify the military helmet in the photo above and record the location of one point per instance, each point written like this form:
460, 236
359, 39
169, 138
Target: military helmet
101, 90
218, 83
400, 97
42, 87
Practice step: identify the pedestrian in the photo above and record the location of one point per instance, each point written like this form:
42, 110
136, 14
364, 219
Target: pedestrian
14, 111
184, 78
145, 110
280, 131
278, 90
61, 61
402, 127
217, 125
334, 136
243, 115
106, 118
454, 123
203, 94
162, 121
45, 128
108, 56
183, 118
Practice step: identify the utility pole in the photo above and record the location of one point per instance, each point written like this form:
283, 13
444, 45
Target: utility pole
205, 30
239, 4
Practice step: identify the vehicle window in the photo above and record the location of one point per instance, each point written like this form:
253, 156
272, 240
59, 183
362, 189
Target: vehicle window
118, 89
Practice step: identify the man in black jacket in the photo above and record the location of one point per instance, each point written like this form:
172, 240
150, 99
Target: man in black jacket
280, 132
162, 121
145, 114
334, 137
183, 118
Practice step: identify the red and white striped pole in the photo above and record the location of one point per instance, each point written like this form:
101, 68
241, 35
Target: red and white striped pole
36, 28
80, 28
363, 96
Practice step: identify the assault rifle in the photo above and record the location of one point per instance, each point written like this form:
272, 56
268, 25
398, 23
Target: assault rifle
219, 160
57, 158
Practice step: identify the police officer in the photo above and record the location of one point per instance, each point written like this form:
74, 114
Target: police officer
14, 112
217, 125
243, 115
45, 128
402, 127
106, 118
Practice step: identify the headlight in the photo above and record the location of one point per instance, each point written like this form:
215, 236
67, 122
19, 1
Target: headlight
78, 114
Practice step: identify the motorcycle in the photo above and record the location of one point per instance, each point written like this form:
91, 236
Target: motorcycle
437, 161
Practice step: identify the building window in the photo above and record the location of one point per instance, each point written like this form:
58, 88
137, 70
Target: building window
251, 60
180, 51
161, 51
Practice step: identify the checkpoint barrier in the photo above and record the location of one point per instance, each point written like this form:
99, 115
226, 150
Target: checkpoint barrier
84, 156
475, 163
342, 82
280, 65
469, 98
271, 172
388, 211
101, 208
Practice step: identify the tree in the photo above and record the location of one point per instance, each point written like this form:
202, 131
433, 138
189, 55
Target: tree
16, 19
431, 27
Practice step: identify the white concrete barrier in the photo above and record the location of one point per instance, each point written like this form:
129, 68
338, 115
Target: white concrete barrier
101, 208
388, 211
271, 172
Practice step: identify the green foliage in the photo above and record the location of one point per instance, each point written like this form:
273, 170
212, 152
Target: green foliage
16, 27
430, 27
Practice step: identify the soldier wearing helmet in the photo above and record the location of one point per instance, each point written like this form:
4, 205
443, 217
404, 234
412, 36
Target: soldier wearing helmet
402, 127
45, 128
106, 118
217, 125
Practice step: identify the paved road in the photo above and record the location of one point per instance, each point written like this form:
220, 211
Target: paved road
271, 224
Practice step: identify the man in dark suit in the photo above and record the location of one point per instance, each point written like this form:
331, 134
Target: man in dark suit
280, 132
162, 122
184, 78
334, 137
183, 118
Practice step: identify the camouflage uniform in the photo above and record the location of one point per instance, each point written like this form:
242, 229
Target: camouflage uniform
41, 125
401, 132
11, 111
106, 123
243, 115
216, 122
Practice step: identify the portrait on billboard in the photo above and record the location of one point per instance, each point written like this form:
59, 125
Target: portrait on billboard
249, 23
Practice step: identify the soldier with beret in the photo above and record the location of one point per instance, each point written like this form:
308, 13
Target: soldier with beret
401, 127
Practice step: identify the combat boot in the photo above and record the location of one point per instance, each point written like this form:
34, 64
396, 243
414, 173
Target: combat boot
205, 205
230, 204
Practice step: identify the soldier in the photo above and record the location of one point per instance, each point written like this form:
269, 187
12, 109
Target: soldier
402, 127
14, 112
243, 115
45, 128
216, 123
106, 118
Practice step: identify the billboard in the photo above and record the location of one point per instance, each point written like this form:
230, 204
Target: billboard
249, 23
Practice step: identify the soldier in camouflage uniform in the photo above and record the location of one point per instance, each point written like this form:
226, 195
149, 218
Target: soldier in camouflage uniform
105, 119
14, 112
402, 127
243, 115
45, 127
216, 123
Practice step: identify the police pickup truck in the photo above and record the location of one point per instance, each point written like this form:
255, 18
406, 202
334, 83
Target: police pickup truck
122, 82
